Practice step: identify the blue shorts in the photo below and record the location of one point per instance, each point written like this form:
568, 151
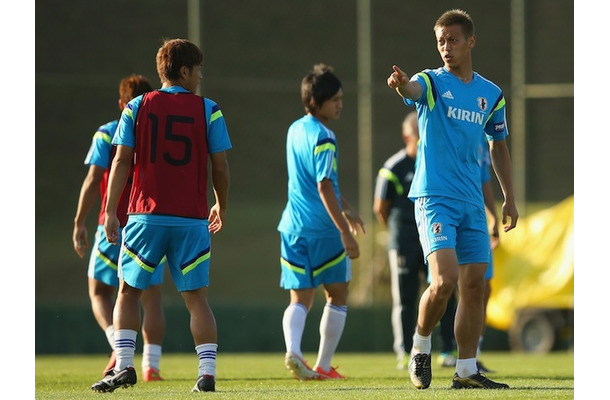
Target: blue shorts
187, 248
311, 262
448, 223
104, 259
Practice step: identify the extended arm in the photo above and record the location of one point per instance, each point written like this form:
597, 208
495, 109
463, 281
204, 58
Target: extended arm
399, 81
89, 193
220, 183
500, 159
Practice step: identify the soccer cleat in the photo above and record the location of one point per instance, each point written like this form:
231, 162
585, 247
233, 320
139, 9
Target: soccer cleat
330, 374
420, 369
476, 381
299, 368
111, 364
113, 380
483, 369
447, 360
151, 374
205, 383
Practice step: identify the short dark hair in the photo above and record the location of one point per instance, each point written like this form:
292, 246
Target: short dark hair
174, 54
133, 86
318, 86
456, 17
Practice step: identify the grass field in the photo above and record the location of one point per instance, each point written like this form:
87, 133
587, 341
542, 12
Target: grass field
263, 376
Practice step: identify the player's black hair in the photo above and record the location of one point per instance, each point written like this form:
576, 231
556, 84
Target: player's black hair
318, 86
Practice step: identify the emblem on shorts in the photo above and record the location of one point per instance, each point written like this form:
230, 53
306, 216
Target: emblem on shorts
437, 228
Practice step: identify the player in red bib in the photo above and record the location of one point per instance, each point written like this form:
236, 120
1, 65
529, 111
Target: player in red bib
172, 134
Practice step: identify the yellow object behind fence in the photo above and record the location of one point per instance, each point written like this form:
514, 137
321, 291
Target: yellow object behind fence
534, 265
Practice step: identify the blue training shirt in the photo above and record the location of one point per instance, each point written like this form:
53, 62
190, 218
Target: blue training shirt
101, 145
311, 156
451, 115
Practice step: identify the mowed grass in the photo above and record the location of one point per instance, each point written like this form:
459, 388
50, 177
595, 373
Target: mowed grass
263, 376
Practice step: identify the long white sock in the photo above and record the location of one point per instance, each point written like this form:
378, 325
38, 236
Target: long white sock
110, 335
421, 344
293, 324
151, 356
207, 358
466, 367
125, 347
331, 329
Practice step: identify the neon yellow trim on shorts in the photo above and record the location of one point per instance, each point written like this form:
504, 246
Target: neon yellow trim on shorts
215, 116
138, 261
390, 176
324, 147
294, 268
102, 135
106, 260
195, 263
330, 264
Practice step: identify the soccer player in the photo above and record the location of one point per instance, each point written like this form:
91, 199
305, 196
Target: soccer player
454, 104
447, 359
394, 210
174, 134
317, 227
102, 271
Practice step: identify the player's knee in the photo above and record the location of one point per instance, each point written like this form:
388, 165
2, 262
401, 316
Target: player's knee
442, 288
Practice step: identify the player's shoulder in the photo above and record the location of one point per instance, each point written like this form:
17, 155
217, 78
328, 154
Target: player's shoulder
487, 82
310, 129
433, 73
210, 103
108, 127
306, 123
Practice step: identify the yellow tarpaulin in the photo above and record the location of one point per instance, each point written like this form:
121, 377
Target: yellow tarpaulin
534, 265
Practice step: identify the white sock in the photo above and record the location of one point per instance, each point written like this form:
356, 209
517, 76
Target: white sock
466, 367
125, 347
421, 344
293, 324
331, 329
479, 346
151, 356
110, 335
207, 358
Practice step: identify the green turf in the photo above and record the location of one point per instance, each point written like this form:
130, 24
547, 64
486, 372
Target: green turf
263, 376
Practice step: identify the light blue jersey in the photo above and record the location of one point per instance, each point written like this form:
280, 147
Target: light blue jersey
451, 117
101, 145
311, 155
